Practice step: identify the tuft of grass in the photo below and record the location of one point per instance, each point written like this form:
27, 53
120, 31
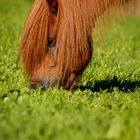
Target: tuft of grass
104, 105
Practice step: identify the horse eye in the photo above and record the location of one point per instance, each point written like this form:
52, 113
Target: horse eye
51, 42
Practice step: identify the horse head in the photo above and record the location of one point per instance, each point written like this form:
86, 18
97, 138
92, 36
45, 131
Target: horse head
56, 44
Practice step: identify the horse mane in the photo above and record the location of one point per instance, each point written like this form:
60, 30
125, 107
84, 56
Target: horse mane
76, 18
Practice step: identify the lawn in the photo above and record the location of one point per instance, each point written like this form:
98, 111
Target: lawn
104, 103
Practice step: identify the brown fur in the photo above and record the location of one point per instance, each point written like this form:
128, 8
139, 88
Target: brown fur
69, 22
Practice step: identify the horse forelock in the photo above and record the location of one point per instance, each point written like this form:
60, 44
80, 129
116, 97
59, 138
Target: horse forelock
35, 36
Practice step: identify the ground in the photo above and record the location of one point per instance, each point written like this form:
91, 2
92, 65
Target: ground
105, 103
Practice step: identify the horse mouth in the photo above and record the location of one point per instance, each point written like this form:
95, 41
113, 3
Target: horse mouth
44, 84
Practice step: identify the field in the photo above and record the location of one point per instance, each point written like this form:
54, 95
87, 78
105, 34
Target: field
104, 105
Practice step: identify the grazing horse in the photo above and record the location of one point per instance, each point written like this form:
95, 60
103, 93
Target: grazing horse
56, 43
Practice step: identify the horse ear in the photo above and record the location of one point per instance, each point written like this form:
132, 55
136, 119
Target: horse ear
53, 5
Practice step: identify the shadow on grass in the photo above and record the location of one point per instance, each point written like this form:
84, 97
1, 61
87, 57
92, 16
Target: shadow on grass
109, 85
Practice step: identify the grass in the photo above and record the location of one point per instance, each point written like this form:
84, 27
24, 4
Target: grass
104, 106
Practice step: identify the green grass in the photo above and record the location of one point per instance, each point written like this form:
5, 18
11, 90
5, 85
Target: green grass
104, 106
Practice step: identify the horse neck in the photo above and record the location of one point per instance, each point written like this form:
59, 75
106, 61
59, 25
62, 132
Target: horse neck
100, 6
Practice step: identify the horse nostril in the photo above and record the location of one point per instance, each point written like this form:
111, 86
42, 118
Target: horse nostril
33, 85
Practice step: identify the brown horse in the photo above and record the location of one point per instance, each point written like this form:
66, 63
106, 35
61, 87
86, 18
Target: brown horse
56, 43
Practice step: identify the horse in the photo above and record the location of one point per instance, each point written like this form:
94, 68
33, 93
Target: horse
56, 43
